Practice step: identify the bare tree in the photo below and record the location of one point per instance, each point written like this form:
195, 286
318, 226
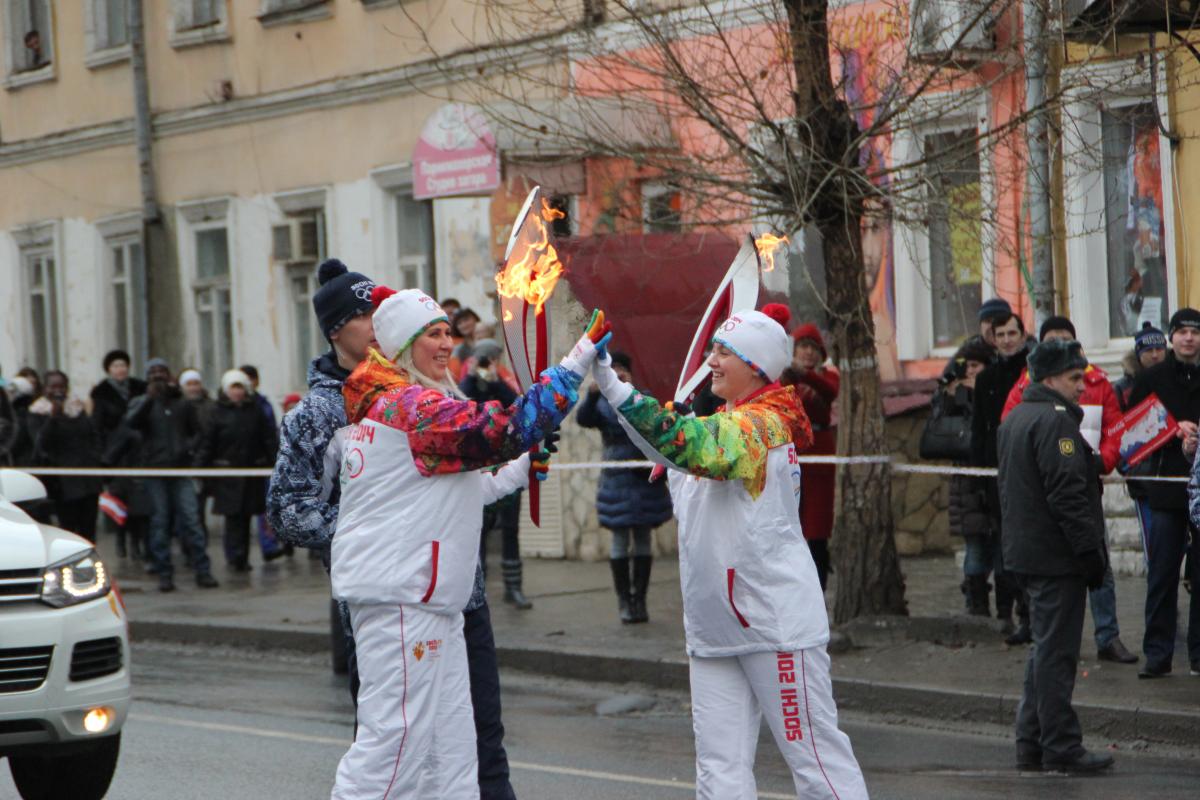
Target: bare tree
764, 115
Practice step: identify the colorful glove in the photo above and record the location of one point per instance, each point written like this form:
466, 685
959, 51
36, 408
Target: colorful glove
592, 343
539, 464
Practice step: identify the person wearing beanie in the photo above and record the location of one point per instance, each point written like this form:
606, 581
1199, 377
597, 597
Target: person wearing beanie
1176, 383
290, 401
1054, 542
1101, 411
1149, 348
817, 385
237, 436
754, 614
628, 503
991, 310
303, 493
406, 547
110, 400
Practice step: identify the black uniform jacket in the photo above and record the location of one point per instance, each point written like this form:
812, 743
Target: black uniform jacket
1049, 487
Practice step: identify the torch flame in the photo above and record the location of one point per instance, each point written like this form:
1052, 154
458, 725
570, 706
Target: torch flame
549, 213
766, 245
531, 274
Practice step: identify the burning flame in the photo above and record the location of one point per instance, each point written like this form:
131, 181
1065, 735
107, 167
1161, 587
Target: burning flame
766, 245
533, 269
507, 315
549, 213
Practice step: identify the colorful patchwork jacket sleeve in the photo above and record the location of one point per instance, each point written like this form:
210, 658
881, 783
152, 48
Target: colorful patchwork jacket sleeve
449, 435
730, 445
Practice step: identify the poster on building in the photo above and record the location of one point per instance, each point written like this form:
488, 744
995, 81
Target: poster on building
462, 241
456, 154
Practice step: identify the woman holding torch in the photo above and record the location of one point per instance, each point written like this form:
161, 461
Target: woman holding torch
754, 614
408, 538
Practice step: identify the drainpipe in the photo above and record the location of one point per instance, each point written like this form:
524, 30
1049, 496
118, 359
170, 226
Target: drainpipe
141, 112
1037, 179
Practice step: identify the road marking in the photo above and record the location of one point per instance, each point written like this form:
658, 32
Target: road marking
614, 777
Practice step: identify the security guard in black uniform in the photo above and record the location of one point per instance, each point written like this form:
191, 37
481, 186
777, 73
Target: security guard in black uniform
1053, 541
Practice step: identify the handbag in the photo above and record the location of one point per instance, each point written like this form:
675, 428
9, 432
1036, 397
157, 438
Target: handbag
946, 436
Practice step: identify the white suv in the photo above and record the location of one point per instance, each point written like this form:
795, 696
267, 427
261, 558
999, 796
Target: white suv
64, 655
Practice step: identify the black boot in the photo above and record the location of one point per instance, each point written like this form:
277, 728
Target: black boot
641, 582
512, 585
976, 589
620, 573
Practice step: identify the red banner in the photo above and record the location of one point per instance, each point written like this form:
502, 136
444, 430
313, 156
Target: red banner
1144, 428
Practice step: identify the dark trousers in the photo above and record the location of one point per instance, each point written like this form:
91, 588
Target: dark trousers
78, 516
237, 539
505, 515
1167, 543
1046, 723
175, 498
820, 556
485, 697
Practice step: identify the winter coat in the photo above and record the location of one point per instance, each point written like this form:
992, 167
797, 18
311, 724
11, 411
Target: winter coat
21, 449
167, 427
992, 385
109, 407
1178, 387
413, 491
748, 578
303, 494
818, 391
204, 406
1100, 412
67, 440
237, 436
1123, 386
1050, 497
968, 501
8, 428
625, 498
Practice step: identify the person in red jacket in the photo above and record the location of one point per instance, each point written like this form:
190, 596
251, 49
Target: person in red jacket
817, 385
1100, 411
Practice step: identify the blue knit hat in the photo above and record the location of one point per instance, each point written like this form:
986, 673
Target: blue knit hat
1149, 338
343, 295
995, 307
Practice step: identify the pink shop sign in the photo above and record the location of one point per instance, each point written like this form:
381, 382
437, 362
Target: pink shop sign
456, 154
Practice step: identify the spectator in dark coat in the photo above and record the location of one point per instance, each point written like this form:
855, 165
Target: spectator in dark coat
191, 383
238, 435
992, 386
8, 428
110, 400
626, 502
64, 436
489, 379
23, 394
1176, 381
167, 428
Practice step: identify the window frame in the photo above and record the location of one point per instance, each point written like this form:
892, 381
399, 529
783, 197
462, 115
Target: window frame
99, 52
391, 183
14, 78
945, 112
653, 189
288, 12
42, 240
123, 231
291, 207
197, 217
184, 32
1094, 88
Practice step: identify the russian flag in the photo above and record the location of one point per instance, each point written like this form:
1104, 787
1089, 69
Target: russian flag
113, 508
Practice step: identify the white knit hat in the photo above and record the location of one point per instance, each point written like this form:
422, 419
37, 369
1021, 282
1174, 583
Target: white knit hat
236, 376
400, 317
189, 375
758, 340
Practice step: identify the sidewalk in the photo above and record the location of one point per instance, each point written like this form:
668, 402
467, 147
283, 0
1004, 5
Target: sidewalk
938, 664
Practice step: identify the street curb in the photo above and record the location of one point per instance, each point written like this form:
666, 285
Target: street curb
1112, 723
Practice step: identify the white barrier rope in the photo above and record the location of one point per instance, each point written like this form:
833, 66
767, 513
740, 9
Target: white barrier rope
262, 472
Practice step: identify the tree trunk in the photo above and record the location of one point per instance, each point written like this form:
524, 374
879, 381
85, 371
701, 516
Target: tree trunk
869, 580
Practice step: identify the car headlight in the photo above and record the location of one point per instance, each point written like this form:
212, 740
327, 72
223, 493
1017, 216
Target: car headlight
74, 580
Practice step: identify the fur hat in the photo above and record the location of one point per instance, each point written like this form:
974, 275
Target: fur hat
400, 317
1054, 357
758, 340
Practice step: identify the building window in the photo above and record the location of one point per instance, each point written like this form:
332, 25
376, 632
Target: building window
29, 38
954, 210
110, 23
414, 241
1133, 219
211, 291
298, 244
662, 205
126, 292
199, 22
43, 306
281, 12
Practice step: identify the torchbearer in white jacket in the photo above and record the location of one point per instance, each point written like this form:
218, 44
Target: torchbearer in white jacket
753, 610
408, 537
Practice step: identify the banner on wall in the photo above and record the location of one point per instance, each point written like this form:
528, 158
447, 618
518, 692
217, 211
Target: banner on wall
456, 154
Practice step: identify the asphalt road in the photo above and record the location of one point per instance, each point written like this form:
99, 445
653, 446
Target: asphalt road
234, 725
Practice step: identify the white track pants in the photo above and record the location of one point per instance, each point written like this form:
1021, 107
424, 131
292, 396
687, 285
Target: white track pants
730, 696
416, 730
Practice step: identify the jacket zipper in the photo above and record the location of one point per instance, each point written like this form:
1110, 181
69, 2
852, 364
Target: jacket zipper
435, 545
730, 574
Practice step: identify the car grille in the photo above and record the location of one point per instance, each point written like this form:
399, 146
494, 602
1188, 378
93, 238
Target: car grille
20, 585
95, 658
23, 669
